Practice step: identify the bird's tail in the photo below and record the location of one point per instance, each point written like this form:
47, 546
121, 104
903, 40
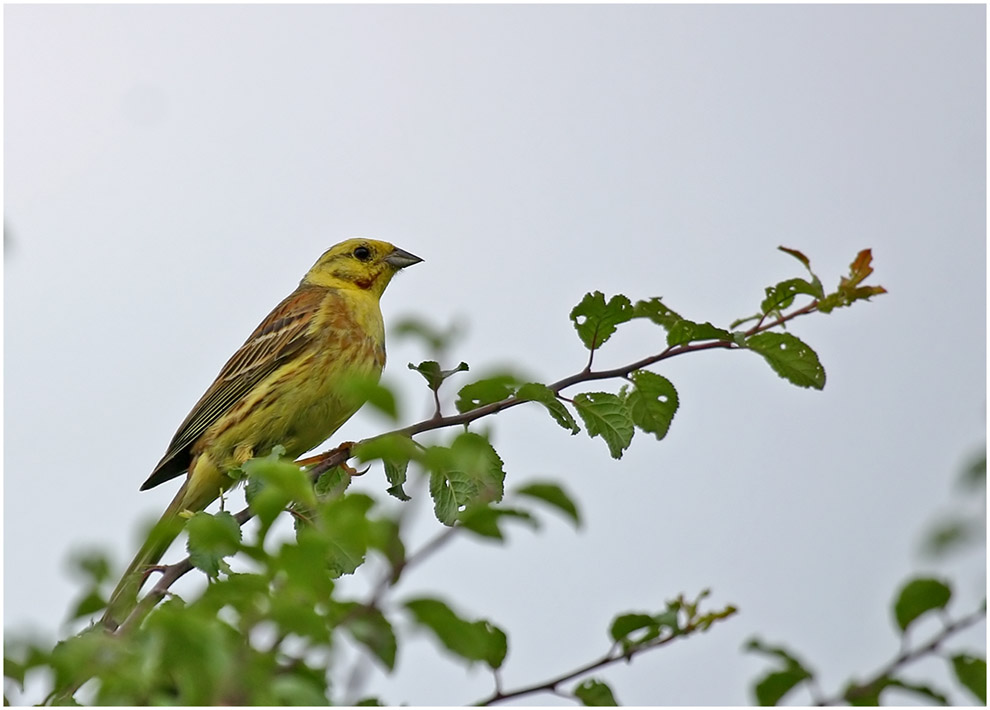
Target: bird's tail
124, 599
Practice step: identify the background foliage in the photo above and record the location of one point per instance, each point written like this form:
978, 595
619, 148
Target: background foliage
280, 627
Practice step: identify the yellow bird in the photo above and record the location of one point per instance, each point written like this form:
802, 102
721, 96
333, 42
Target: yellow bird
286, 385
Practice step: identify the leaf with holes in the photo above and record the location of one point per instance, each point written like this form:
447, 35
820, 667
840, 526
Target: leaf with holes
790, 358
652, 403
596, 321
607, 416
491, 389
468, 472
782, 295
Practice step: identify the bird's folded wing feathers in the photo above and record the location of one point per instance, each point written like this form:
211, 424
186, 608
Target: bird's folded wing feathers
283, 333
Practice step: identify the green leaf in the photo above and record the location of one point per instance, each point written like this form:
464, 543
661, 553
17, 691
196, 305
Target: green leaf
468, 472
445, 505
372, 393
655, 310
91, 603
91, 565
971, 671
596, 321
211, 538
332, 483
782, 295
491, 389
347, 531
395, 452
434, 375
790, 358
282, 475
918, 597
595, 693
484, 520
434, 338
771, 689
395, 472
607, 416
554, 496
625, 625
472, 641
536, 392
371, 629
652, 403
869, 695
685, 331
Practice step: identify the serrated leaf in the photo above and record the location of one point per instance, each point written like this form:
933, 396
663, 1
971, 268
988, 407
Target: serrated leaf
607, 416
596, 320
790, 358
444, 501
772, 688
536, 392
332, 483
553, 495
491, 389
594, 693
467, 473
918, 597
211, 538
652, 403
347, 531
971, 672
472, 641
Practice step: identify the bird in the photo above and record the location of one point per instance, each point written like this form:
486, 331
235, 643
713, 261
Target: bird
287, 386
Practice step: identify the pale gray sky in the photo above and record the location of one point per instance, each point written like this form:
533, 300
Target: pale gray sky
172, 171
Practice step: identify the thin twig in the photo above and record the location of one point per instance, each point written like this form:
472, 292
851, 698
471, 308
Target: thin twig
614, 655
339, 455
905, 657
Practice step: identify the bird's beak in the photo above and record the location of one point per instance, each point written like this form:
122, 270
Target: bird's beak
401, 259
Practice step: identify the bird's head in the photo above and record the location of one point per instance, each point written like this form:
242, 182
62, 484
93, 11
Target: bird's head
360, 263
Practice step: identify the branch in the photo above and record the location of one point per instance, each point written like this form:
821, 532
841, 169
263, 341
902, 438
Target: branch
906, 657
338, 456
614, 655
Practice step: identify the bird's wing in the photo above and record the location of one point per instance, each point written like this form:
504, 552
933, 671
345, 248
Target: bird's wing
280, 335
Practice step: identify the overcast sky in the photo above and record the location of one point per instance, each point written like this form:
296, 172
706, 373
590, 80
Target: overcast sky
172, 171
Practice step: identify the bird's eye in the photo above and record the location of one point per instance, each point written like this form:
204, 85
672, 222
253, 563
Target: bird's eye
362, 253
